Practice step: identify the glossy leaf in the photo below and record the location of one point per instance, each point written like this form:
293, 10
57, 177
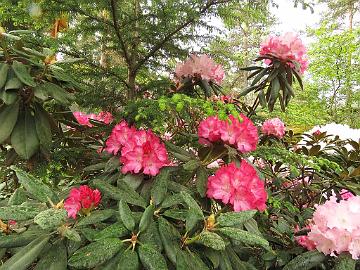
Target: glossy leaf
151, 258
22, 72
8, 116
126, 216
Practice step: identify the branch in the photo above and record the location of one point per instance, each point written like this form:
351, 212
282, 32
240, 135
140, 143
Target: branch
117, 31
158, 46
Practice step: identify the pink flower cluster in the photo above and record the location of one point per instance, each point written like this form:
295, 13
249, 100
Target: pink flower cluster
241, 134
201, 66
82, 199
273, 127
288, 47
335, 227
140, 150
240, 187
84, 119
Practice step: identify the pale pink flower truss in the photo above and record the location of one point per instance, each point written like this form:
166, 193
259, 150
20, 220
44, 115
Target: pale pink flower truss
239, 186
288, 47
274, 127
243, 135
335, 226
82, 199
201, 66
141, 151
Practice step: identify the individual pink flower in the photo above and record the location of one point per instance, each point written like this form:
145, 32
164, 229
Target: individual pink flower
345, 194
287, 48
82, 118
303, 240
82, 199
317, 132
105, 117
202, 67
243, 135
119, 136
274, 127
239, 186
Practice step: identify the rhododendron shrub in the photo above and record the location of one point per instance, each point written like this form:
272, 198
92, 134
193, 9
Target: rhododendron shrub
242, 135
287, 48
239, 186
201, 71
83, 200
273, 127
140, 150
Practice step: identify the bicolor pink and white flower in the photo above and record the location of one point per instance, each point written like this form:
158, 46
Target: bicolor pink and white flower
201, 66
287, 48
273, 127
82, 199
243, 135
239, 186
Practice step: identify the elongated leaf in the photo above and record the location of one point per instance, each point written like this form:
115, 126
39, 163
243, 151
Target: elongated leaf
114, 230
96, 217
54, 259
50, 218
259, 76
245, 237
129, 260
4, 68
345, 262
234, 219
126, 216
8, 116
18, 197
195, 213
305, 261
95, 253
201, 180
18, 212
170, 238
19, 240
151, 236
159, 188
34, 186
274, 93
43, 128
23, 73
146, 218
179, 214
123, 192
24, 137
172, 200
9, 97
23, 258
151, 258
72, 235
56, 92
12, 84
212, 240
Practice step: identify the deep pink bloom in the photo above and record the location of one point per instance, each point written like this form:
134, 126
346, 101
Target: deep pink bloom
141, 151
288, 47
240, 187
345, 194
201, 66
243, 135
105, 117
273, 127
82, 118
317, 132
304, 240
81, 199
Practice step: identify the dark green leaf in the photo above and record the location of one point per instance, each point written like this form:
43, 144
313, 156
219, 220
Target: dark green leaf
43, 128
72, 235
126, 216
201, 180
4, 68
114, 230
151, 258
95, 253
34, 186
345, 262
170, 238
146, 218
54, 259
23, 258
55, 91
19, 240
129, 260
8, 116
23, 73
95, 217
18, 212
24, 137
50, 218
212, 240
12, 84
305, 261
159, 188
234, 219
